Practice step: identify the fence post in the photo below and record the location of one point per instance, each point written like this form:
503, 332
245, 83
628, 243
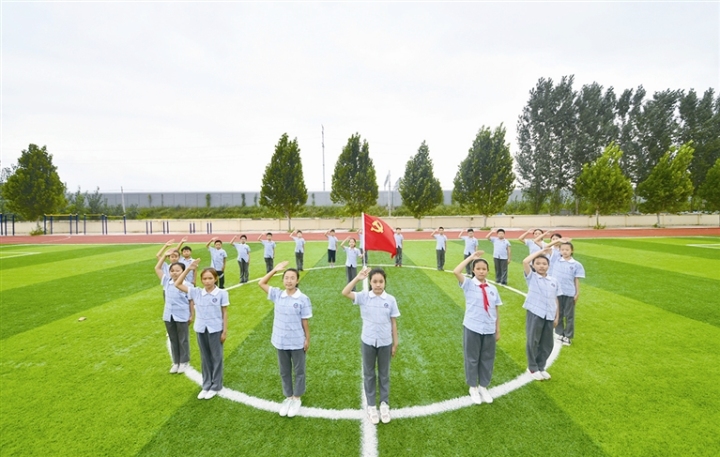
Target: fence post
44, 224
124, 225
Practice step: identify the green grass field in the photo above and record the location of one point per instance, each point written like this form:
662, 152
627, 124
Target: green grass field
642, 377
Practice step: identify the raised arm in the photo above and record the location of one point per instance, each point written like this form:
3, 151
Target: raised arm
524, 235
348, 290
460, 235
212, 240
159, 255
458, 271
432, 235
527, 261
260, 237
161, 260
263, 283
183, 241
487, 237
294, 233
344, 241
233, 239
180, 281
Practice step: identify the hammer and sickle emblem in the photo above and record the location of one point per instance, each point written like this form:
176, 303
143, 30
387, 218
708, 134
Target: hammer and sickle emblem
376, 227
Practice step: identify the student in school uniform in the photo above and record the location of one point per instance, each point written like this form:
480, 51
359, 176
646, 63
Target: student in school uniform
533, 244
399, 246
218, 258
211, 323
290, 334
501, 255
440, 247
332, 246
186, 259
379, 312
297, 237
542, 312
177, 313
351, 258
471, 245
172, 257
481, 326
243, 250
567, 271
268, 251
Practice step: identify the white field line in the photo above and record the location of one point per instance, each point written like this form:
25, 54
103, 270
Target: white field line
16, 254
707, 246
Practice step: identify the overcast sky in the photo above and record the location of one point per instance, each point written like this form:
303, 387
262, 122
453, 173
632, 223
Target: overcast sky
194, 96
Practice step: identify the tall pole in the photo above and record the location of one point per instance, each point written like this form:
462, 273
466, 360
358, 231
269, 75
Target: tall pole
323, 153
122, 198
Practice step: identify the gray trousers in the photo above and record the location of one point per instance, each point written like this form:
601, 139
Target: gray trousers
539, 341
179, 343
269, 264
566, 323
440, 256
211, 356
468, 267
244, 270
398, 257
289, 361
299, 260
351, 272
501, 270
381, 355
331, 255
479, 354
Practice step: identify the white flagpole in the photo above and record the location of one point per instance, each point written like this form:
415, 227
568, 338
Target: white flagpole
366, 284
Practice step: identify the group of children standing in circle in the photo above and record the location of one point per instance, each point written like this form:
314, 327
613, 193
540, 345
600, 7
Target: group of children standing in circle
552, 276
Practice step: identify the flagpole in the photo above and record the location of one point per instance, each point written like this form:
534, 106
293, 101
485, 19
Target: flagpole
366, 285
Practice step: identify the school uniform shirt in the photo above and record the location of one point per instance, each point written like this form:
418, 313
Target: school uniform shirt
471, 244
533, 247
299, 244
376, 311
217, 257
191, 274
208, 308
499, 247
332, 243
398, 240
542, 295
243, 250
441, 241
268, 249
290, 310
476, 318
565, 271
352, 256
177, 303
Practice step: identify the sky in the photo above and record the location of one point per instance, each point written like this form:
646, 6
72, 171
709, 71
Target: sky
175, 96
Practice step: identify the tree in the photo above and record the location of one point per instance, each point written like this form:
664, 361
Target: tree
419, 189
668, 186
34, 188
76, 202
283, 185
603, 184
710, 188
354, 182
95, 202
485, 178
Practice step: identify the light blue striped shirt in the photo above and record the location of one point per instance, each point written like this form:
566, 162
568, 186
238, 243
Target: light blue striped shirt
542, 295
243, 250
269, 249
208, 308
299, 244
376, 312
177, 304
471, 244
290, 310
352, 256
499, 247
476, 318
565, 271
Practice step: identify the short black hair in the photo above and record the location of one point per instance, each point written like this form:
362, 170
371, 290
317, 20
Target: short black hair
501, 230
186, 248
470, 230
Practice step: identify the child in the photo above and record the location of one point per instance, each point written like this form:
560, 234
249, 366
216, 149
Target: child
501, 255
440, 247
351, 256
186, 260
481, 326
542, 312
379, 312
332, 246
211, 323
177, 314
297, 237
534, 244
567, 271
398, 245
290, 335
243, 250
218, 258
173, 255
471, 244
268, 251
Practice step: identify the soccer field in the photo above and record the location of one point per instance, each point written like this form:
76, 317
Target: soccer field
641, 378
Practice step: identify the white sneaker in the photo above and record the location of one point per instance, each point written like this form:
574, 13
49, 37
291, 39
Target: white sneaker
535, 375
384, 413
475, 395
201, 395
545, 374
485, 395
294, 407
285, 406
566, 341
373, 415
182, 368
558, 336
174, 368
210, 394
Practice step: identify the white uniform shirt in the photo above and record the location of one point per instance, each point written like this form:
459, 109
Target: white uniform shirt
476, 318
177, 304
441, 242
217, 257
269, 249
565, 271
191, 274
332, 243
499, 247
398, 240
290, 310
208, 308
533, 247
471, 244
299, 244
352, 256
376, 312
542, 295
243, 250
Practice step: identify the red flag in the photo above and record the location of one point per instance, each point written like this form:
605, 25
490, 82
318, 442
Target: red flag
379, 235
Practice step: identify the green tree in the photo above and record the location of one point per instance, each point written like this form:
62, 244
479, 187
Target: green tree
283, 184
710, 188
604, 185
76, 202
419, 189
485, 178
354, 182
34, 188
669, 185
95, 202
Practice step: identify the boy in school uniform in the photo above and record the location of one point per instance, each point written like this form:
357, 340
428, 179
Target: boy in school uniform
567, 271
440, 247
501, 255
471, 245
297, 237
186, 260
398, 245
218, 258
268, 251
243, 250
332, 246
